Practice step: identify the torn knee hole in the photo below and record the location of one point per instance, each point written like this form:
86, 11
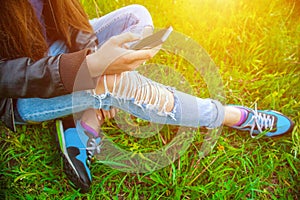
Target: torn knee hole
141, 90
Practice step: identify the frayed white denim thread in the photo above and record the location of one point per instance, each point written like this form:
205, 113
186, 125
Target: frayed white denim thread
142, 92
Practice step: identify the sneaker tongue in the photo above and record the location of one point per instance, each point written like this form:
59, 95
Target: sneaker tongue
89, 129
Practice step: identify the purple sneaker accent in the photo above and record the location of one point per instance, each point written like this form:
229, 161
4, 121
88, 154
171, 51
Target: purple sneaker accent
89, 129
244, 114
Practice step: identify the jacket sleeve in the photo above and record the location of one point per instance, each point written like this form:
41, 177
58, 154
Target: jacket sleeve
44, 78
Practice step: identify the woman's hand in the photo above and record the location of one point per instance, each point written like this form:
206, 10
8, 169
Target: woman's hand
114, 57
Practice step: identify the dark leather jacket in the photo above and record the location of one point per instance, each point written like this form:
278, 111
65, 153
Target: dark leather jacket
45, 78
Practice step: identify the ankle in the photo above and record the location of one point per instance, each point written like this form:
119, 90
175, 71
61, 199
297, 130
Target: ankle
91, 129
90, 122
234, 116
243, 117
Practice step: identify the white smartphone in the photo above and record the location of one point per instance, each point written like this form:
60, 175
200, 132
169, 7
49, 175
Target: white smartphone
152, 40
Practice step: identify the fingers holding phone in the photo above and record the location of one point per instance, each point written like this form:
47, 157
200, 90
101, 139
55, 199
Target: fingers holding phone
113, 57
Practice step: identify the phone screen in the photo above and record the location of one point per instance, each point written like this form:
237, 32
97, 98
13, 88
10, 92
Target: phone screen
153, 40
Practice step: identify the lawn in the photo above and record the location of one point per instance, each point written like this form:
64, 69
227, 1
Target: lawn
255, 47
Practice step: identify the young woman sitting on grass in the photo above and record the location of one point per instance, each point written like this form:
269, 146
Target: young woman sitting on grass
46, 44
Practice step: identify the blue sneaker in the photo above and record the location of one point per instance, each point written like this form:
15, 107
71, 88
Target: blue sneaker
78, 147
272, 123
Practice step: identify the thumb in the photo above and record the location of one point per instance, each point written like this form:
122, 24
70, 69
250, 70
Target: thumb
126, 37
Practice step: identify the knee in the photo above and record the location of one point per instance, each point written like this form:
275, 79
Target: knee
142, 13
137, 8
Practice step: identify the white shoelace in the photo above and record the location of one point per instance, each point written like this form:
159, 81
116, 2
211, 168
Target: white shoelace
260, 120
92, 148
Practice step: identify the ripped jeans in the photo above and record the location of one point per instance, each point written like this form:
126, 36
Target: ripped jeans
134, 93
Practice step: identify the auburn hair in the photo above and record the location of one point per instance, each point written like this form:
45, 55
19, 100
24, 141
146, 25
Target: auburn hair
21, 34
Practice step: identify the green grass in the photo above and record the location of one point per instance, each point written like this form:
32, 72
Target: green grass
256, 46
